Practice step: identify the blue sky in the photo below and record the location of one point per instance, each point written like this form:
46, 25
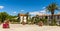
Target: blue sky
13, 7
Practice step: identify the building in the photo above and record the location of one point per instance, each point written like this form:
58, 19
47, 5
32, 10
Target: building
23, 17
49, 18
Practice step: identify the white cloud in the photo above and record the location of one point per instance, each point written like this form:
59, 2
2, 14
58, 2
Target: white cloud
34, 13
14, 12
1, 7
43, 7
58, 13
41, 12
22, 10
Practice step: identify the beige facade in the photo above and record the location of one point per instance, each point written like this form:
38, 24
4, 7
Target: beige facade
49, 18
23, 17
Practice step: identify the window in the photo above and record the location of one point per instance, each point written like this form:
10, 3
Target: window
46, 17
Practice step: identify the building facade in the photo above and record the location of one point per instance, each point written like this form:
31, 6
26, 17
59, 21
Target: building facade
49, 18
22, 17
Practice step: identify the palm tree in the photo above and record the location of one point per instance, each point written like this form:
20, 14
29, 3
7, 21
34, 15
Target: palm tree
51, 8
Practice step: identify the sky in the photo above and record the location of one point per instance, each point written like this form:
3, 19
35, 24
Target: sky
13, 7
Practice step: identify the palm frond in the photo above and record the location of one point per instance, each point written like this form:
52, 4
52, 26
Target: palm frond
52, 7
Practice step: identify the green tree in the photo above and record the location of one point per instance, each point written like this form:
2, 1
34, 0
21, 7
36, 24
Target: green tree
11, 18
51, 8
3, 16
37, 19
44, 21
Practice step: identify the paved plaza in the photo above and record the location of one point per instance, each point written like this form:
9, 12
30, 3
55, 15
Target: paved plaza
20, 27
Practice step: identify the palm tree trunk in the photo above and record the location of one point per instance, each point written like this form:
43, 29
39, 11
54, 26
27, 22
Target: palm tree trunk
53, 22
52, 15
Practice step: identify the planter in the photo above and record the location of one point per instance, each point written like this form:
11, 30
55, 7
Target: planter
23, 23
40, 23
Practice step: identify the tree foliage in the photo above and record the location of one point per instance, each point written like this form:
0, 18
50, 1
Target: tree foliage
4, 16
51, 8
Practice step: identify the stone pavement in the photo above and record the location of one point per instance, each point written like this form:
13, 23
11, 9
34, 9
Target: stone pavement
20, 27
